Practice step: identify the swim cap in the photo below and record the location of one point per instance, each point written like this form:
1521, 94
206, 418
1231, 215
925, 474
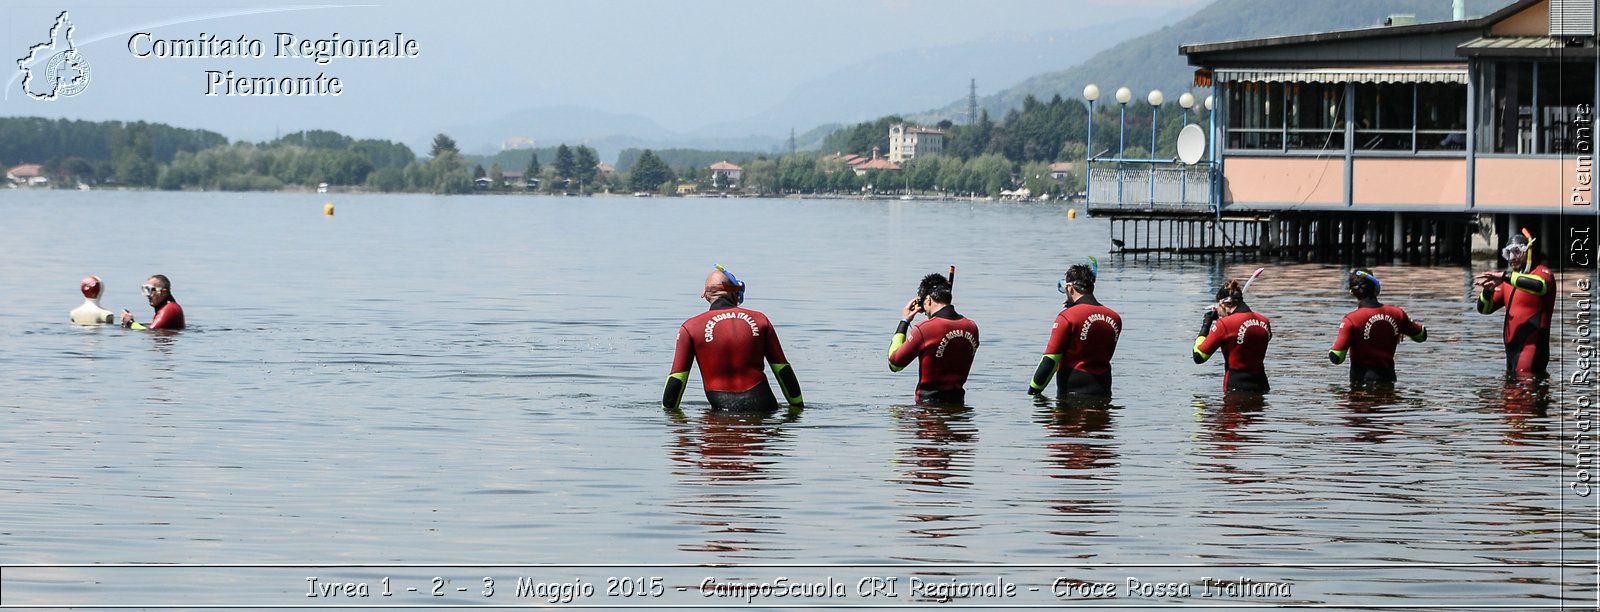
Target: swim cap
90, 286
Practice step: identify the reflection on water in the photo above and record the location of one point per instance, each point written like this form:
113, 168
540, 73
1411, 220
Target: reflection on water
1228, 422
933, 459
935, 446
1081, 441
725, 462
1523, 403
1081, 454
1372, 412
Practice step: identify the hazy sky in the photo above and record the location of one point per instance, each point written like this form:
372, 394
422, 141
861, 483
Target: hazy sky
683, 63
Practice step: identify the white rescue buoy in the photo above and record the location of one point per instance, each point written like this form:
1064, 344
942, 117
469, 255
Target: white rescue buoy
91, 313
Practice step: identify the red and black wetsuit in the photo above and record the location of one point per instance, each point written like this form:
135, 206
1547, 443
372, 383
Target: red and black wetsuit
946, 343
730, 343
1370, 334
1530, 304
1082, 341
1243, 338
169, 315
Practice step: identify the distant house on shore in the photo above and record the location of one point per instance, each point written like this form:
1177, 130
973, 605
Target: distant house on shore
511, 179
850, 161
603, 169
27, 174
687, 188
483, 183
1060, 170
725, 173
908, 142
875, 163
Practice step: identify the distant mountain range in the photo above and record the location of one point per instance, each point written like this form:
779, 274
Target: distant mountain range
902, 82
871, 87
1151, 61
895, 82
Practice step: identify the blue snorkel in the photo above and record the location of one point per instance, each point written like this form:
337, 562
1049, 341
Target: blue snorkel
1377, 287
732, 280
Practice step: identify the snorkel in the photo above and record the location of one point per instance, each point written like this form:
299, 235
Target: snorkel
733, 282
1358, 278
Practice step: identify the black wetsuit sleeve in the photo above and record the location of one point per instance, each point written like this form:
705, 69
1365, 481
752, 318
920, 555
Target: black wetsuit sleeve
672, 396
1048, 365
788, 383
1530, 283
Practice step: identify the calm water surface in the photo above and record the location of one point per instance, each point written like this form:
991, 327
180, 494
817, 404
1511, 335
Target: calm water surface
476, 380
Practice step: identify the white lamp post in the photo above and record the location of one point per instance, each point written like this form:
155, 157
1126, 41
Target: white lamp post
1124, 96
1091, 92
1187, 102
1155, 99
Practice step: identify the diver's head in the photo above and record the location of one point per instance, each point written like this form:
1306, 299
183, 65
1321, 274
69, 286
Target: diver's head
1364, 284
1518, 252
722, 284
1231, 296
1079, 279
157, 289
936, 288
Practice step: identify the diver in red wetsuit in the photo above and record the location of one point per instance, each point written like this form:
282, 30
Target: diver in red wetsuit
945, 343
169, 315
1242, 334
730, 342
1082, 340
1527, 293
1370, 333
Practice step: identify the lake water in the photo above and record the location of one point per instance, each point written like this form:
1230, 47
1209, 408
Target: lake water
428, 392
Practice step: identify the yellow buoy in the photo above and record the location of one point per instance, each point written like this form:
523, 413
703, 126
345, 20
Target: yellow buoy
327, 209
1072, 213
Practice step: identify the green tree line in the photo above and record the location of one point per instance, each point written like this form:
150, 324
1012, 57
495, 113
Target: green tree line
1038, 132
298, 159
683, 158
98, 151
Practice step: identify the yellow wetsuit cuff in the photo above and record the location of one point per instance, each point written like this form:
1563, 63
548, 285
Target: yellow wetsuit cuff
1199, 355
1046, 370
894, 345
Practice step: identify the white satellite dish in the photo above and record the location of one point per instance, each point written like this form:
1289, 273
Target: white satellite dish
1191, 144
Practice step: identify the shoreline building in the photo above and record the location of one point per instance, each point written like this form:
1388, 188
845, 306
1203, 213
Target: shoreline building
31, 175
907, 142
725, 173
1430, 140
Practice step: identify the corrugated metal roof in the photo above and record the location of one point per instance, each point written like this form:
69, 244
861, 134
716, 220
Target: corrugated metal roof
1197, 52
1451, 73
1510, 43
